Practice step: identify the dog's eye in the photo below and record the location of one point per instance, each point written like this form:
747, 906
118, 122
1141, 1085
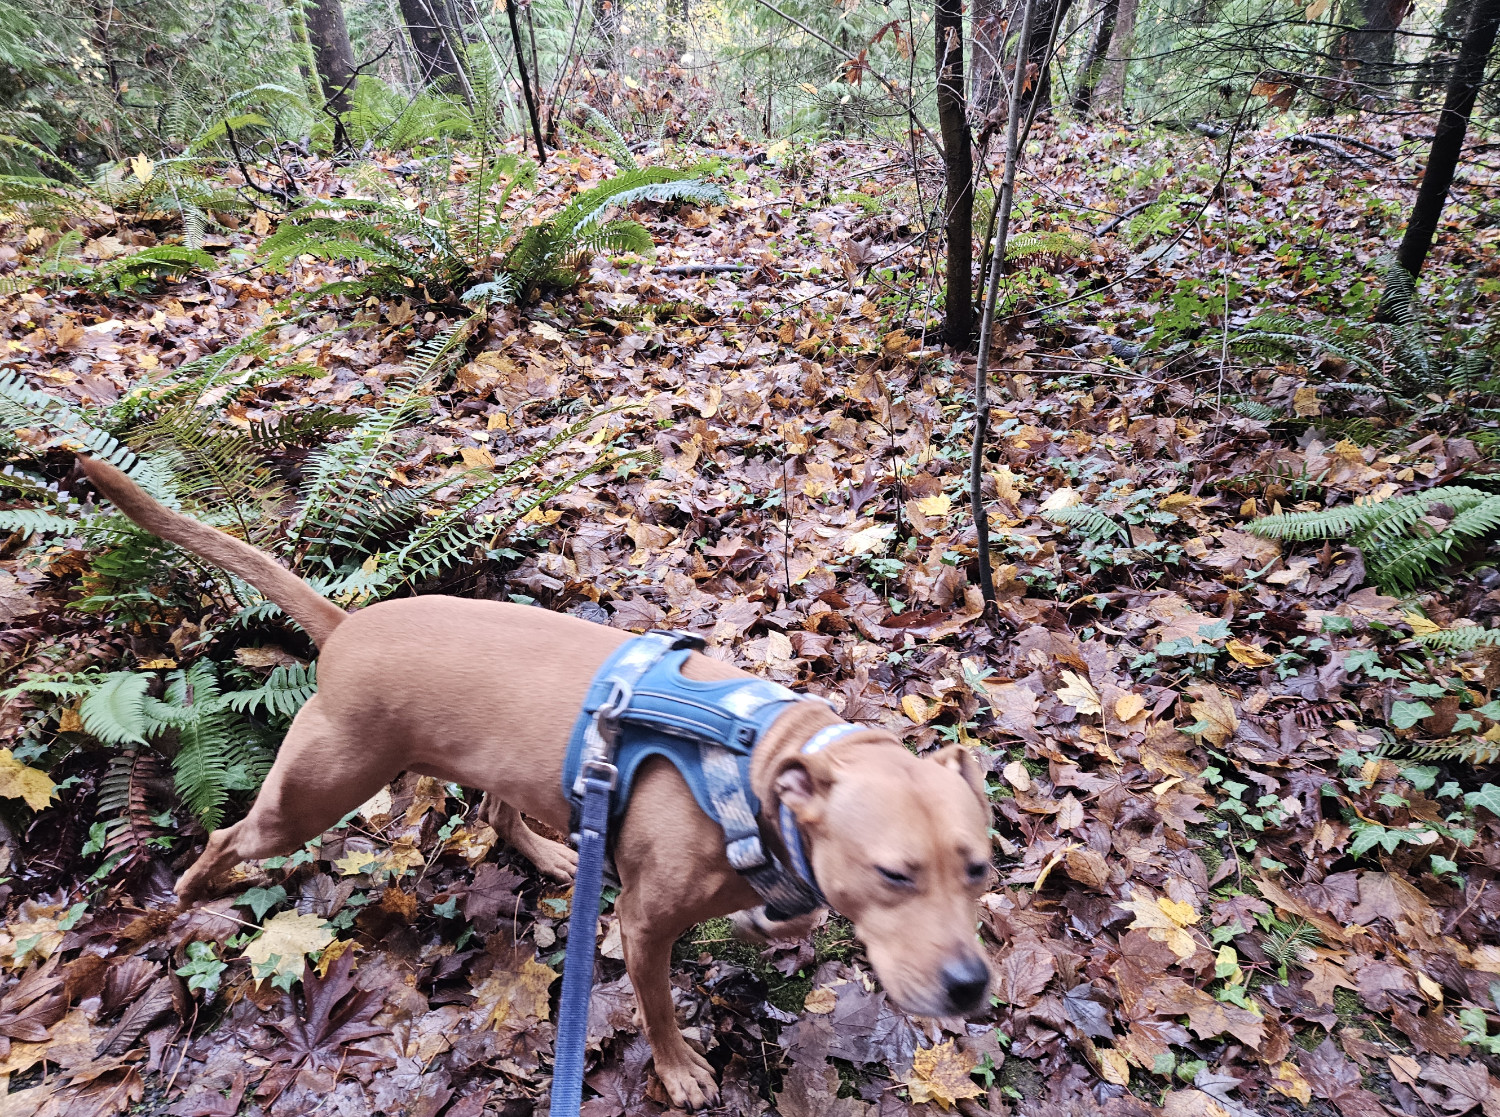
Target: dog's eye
893, 878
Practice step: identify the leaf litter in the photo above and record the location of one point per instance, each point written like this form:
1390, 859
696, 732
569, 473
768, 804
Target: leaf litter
1227, 881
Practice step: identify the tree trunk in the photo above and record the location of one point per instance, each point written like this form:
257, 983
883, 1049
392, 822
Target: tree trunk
1438, 65
434, 58
1110, 92
307, 57
606, 34
1448, 139
1093, 64
987, 72
334, 55
1365, 55
1038, 49
958, 161
531, 109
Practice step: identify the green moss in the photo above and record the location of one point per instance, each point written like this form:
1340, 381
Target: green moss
834, 941
1022, 1076
1347, 1004
1309, 1039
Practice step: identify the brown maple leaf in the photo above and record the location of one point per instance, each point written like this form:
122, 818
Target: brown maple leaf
325, 1017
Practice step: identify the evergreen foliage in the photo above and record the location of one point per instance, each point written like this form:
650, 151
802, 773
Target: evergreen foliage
1405, 540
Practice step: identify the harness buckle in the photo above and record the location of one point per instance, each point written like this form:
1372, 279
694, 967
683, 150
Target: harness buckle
600, 771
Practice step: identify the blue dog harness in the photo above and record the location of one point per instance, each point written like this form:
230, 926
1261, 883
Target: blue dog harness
640, 705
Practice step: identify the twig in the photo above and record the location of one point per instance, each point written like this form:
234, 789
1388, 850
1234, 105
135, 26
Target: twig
1328, 148
987, 322
536, 124
1352, 142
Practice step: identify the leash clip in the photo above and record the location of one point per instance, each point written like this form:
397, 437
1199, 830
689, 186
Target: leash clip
608, 716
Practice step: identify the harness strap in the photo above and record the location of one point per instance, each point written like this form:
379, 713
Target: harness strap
597, 779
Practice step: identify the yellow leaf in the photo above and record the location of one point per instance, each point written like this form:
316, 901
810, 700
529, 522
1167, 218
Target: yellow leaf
520, 997
868, 540
1165, 921
352, 864
1420, 625
477, 457
1017, 776
162, 664
1128, 706
1113, 1067
941, 1074
548, 516
286, 939
808, 87
1005, 485
916, 708
821, 1001
1251, 655
17, 781
142, 167
1315, 10
1079, 693
1305, 403
935, 506
1286, 1079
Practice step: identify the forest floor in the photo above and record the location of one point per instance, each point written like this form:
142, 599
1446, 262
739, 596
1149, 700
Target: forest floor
1227, 883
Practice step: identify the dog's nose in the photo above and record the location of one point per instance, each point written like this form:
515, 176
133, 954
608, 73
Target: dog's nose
965, 980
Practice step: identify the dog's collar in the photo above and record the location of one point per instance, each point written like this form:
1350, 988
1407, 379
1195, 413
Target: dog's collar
791, 833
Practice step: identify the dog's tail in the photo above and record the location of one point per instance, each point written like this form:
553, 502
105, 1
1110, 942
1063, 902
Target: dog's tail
317, 615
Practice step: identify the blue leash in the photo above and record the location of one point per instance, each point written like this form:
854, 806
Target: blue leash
583, 926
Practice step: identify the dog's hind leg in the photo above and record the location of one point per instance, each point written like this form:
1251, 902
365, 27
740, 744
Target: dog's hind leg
319, 777
551, 858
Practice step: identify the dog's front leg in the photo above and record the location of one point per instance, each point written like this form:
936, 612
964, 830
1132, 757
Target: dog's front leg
647, 933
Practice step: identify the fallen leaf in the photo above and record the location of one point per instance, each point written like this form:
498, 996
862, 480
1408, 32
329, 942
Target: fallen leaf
17, 781
941, 1074
1079, 693
284, 941
1251, 655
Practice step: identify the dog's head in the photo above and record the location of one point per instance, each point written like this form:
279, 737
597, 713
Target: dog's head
900, 846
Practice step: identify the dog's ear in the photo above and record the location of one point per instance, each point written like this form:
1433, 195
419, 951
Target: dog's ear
802, 784
962, 761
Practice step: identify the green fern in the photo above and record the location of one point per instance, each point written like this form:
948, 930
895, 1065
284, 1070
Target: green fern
1401, 544
444, 251
1090, 522
1403, 359
1475, 752
284, 692
342, 477
1462, 638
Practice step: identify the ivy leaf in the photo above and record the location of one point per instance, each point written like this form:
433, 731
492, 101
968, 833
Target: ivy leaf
1404, 715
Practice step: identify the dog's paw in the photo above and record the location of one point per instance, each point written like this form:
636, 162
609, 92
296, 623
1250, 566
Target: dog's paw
752, 926
689, 1083
556, 861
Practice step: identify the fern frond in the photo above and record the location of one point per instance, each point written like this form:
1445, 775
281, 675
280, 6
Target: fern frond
1090, 522
129, 830
1476, 752
114, 711
35, 521
283, 693
1460, 638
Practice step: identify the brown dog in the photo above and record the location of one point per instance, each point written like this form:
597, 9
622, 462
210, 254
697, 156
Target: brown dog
485, 694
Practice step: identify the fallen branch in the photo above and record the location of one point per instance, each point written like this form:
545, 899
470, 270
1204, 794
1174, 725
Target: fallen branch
1328, 148
702, 269
1124, 215
1371, 148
